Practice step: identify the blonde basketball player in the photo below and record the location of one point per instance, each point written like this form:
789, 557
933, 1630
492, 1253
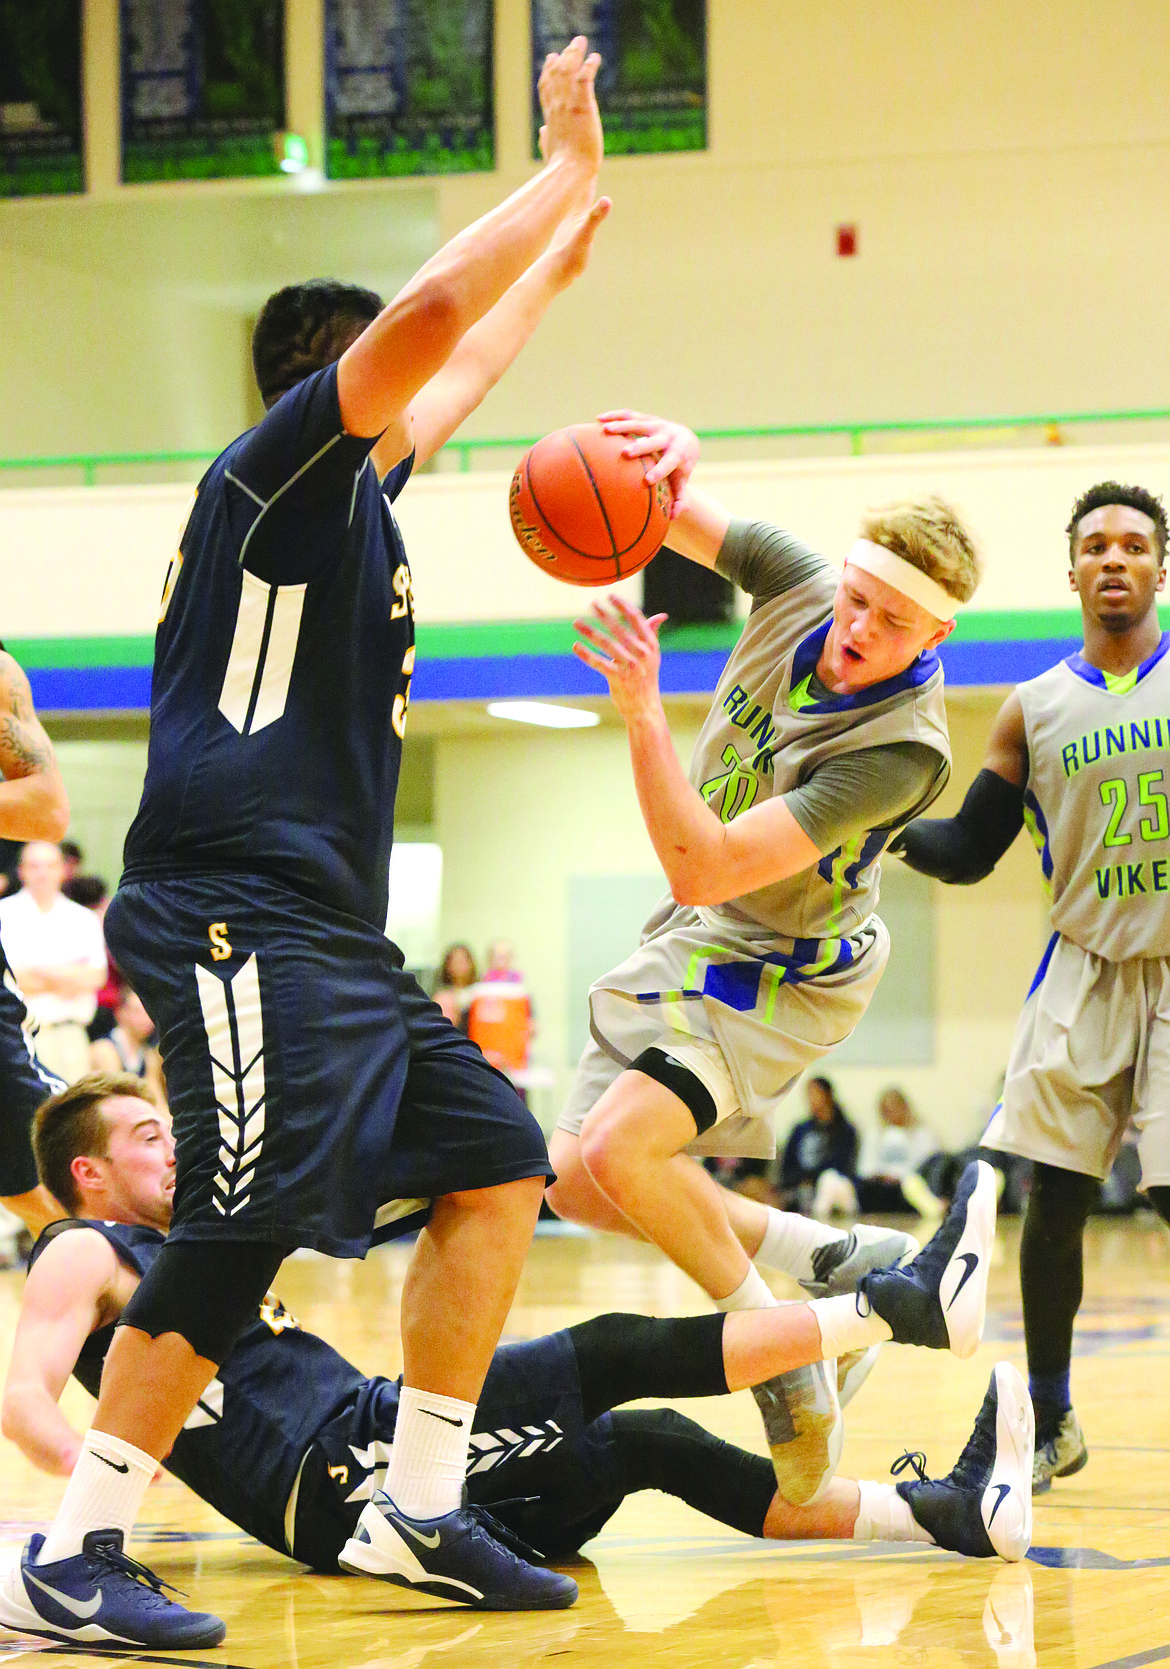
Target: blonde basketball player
826, 734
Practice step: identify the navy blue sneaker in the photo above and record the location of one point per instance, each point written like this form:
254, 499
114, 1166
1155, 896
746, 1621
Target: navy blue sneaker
466, 1556
984, 1506
939, 1299
99, 1594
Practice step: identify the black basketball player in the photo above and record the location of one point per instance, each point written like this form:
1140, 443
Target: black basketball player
289, 1441
310, 1078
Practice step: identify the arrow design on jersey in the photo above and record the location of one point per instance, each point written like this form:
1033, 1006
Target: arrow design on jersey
488, 1449
234, 1024
492, 1448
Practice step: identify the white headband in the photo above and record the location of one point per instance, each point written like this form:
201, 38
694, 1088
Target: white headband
904, 577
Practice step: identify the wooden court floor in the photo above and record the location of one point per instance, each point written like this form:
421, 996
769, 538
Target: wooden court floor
662, 1585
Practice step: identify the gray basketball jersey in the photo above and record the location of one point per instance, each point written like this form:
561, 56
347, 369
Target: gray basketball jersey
768, 729
1097, 802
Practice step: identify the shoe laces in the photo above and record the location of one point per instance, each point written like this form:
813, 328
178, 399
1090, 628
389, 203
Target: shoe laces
501, 1533
910, 1460
123, 1565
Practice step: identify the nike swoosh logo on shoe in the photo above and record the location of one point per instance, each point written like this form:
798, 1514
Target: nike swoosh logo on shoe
432, 1540
971, 1259
1002, 1492
79, 1607
114, 1465
446, 1418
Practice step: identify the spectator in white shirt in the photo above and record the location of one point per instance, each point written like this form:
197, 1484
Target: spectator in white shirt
888, 1170
57, 955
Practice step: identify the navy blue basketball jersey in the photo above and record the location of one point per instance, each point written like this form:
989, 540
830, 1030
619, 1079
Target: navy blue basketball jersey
282, 667
243, 1445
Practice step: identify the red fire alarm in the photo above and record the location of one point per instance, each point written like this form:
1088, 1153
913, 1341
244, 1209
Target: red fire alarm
847, 240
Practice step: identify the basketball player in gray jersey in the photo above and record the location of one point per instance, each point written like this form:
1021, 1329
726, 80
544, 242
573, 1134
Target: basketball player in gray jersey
1079, 754
827, 732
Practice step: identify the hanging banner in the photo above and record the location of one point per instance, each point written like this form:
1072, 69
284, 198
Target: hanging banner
652, 85
40, 98
408, 87
202, 88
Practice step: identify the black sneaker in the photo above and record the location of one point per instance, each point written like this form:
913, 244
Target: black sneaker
984, 1506
99, 1594
465, 1556
940, 1298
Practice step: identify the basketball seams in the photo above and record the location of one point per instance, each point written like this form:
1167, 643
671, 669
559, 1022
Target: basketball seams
586, 556
592, 479
581, 498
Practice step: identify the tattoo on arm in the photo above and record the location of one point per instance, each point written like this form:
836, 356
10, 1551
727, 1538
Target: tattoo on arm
24, 746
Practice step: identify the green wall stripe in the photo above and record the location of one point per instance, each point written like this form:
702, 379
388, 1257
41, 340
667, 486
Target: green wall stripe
478, 640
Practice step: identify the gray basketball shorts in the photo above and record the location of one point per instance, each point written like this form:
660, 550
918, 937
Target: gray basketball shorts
1091, 1050
746, 1027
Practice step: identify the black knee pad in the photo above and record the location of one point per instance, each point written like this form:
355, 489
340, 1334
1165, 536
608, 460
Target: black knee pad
205, 1290
681, 1081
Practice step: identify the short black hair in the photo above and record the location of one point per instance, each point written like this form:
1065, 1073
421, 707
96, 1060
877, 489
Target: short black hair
1112, 492
305, 327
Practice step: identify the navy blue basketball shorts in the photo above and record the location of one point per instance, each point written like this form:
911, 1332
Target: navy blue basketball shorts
24, 1084
534, 1462
311, 1081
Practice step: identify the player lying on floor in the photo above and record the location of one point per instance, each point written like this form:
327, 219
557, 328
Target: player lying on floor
289, 1440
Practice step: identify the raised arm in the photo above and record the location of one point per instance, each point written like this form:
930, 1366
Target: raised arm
66, 1296
490, 346
414, 336
967, 847
33, 801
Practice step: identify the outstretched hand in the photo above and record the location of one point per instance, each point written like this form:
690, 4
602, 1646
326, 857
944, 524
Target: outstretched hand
568, 103
622, 645
572, 242
673, 447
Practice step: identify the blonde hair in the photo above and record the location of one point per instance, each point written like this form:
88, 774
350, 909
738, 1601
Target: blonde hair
928, 533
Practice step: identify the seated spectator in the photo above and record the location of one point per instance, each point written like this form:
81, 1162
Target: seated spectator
91, 892
888, 1176
57, 955
499, 1017
825, 1141
73, 857
457, 977
131, 1046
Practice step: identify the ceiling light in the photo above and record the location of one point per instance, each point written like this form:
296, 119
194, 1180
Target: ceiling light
545, 713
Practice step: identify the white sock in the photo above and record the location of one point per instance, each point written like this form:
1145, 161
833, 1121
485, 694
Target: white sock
104, 1493
753, 1293
843, 1330
883, 1516
790, 1241
428, 1458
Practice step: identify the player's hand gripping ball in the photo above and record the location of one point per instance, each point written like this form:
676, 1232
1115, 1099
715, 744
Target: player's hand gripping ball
582, 512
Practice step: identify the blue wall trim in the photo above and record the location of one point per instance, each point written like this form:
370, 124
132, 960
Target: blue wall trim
495, 678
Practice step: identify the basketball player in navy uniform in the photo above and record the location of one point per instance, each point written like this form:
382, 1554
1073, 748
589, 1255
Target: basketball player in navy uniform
310, 1079
290, 1442
1078, 755
33, 806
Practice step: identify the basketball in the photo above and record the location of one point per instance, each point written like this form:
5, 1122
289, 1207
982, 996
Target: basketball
582, 512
